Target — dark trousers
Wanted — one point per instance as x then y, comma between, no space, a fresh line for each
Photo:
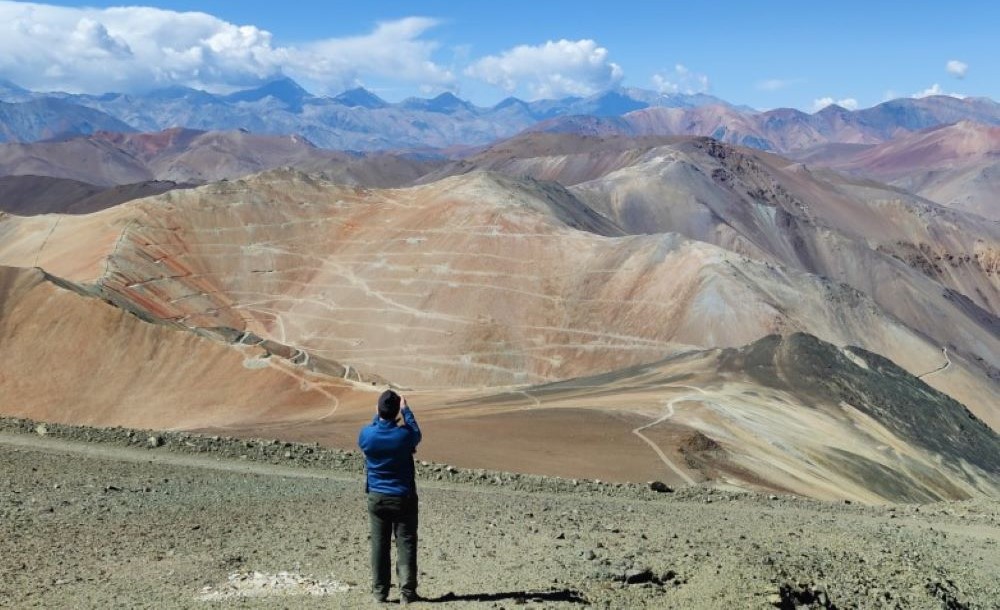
390,515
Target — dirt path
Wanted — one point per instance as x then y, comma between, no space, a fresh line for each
669,412
943,367
126,454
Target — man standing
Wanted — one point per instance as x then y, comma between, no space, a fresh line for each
392,494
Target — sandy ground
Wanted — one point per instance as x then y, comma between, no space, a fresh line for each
100,525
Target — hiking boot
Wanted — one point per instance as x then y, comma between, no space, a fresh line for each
380,598
411,598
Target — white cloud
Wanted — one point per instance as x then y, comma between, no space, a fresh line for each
91,39
550,70
772,84
394,49
936,89
681,80
957,68
848,102
47,47
775,84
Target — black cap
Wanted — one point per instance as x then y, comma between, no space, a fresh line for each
388,405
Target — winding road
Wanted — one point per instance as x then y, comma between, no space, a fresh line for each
668,413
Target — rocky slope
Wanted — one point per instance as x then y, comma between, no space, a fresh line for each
283,272
103,524
425,258
47,118
920,262
956,165
782,413
73,357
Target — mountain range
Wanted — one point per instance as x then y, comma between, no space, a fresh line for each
786,129
360,120
355,119
670,287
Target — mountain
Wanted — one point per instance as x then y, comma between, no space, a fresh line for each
611,103
446,103
167,94
921,263
359,120
360,97
653,268
677,100
185,155
956,165
921,113
285,91
658,306
88,160
48,119
206,381
785,408
9,92
615,103
525,309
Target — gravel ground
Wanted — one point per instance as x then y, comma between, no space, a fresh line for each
108,518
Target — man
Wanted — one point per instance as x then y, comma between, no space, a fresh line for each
392,494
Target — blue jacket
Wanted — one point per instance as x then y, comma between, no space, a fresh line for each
389,452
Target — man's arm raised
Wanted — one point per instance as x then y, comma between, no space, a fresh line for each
411,422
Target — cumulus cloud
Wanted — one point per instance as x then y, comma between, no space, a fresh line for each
957,68
680,80
46,47
550,70
936,89
394,48
848,102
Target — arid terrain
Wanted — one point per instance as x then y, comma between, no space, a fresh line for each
282,302
100,518
666,350
597,307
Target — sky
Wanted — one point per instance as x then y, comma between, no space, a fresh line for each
762,54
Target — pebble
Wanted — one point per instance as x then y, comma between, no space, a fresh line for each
636,576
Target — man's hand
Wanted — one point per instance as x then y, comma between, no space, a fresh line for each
404,405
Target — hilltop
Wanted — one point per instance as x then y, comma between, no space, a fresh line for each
123,523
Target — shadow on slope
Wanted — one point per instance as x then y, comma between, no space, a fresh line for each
900,401
517,597
34,195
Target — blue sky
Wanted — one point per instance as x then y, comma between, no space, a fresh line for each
763,54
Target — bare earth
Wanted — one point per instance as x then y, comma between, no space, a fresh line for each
95,525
